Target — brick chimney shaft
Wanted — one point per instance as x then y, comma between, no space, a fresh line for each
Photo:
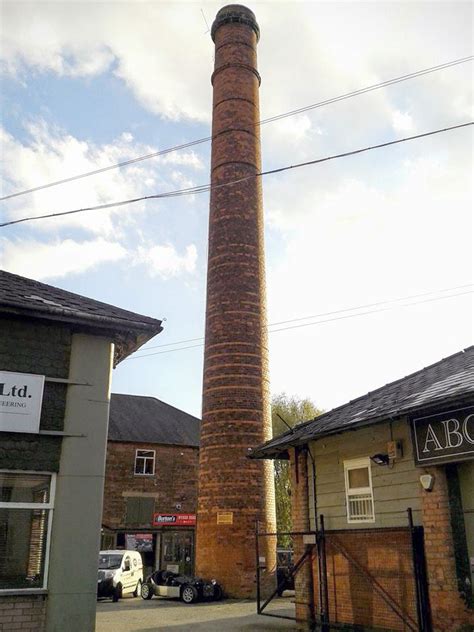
236,406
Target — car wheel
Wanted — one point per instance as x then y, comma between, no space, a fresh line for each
189,594
117,593
218,593
137,590
146,591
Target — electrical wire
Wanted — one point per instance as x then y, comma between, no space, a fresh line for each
271,119
211,187
319,322
337,311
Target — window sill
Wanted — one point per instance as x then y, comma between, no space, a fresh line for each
4,592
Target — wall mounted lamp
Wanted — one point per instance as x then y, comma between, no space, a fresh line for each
380,459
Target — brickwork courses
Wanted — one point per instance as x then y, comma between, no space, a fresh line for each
386,554
448,610
22,613
174,481
236,405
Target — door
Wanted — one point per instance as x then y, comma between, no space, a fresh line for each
128,575
178,552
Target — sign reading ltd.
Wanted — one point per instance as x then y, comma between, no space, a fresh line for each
445,437
174,520
21,396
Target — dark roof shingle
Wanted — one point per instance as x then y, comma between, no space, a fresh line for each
141,419
443,382
26,297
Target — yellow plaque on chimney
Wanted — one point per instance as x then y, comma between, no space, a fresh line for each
225,517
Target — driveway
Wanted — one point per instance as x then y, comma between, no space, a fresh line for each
136,615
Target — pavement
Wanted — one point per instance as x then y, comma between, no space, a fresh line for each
229,615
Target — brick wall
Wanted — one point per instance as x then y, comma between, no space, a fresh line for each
23,614
385,555
449,610
175,480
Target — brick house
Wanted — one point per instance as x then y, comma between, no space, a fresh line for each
356,472
57,351
150,493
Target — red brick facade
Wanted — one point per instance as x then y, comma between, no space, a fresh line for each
236,411
448,610
370,571
174,481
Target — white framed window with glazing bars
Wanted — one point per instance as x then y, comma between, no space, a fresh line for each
359,492
144,462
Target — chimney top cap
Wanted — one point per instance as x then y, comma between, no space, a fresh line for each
235,13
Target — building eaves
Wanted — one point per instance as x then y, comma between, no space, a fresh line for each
442,383
27,298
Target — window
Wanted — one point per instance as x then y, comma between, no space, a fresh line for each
359,496
144,462
26,504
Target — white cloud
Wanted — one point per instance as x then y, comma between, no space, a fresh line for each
161,51
402,121
165,262
54,260
51,154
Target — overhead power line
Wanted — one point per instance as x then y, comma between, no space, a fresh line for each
271,119
337,311
319,322
208,187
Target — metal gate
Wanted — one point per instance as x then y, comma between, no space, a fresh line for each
396,589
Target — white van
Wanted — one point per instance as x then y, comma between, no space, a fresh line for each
120,573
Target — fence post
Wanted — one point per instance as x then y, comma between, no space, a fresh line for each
324,577
257,560
414,556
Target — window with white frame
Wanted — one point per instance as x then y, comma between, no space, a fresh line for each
26,508
144,462
359,495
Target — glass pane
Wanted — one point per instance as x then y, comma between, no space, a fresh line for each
149,453
149,466
358,477
24,488
22,547
139,465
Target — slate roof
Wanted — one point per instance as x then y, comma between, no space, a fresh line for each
140,419
449,380
26,297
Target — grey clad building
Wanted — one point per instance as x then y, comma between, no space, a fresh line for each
57,351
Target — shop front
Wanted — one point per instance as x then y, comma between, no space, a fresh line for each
167,545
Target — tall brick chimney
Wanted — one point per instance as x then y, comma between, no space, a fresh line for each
234,491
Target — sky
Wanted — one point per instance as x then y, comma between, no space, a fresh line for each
88,84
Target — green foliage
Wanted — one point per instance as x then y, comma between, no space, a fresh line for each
293,411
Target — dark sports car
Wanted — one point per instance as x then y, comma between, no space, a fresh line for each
189,589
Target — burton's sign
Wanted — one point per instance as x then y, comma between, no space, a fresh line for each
445,437
174,520
21,396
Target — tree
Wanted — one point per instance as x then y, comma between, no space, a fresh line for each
293,410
